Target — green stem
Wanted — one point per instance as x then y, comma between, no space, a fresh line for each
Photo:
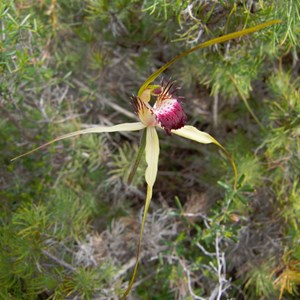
148,199
231,162
138,158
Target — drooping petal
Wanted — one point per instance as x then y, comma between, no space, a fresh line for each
98,129
192,133
152,154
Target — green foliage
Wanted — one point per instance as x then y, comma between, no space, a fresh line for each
122,164
289,11
260,282
68,219
165,9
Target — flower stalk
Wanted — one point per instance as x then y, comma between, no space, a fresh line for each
138,158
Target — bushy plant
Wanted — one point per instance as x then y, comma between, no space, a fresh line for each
69,220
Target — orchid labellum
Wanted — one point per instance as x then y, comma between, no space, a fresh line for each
166,114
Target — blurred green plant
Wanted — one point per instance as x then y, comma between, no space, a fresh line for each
72,64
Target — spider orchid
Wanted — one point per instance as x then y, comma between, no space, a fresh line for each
167,114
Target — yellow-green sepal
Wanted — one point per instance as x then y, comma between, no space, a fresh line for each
211,42
192,133
97,129
152,155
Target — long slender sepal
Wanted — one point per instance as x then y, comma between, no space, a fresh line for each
99,129
138,158
152,154
192,133
214,41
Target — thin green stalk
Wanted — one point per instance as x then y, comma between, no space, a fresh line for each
149,196
138,158
231,162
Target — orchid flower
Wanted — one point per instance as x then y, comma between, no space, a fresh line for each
166,114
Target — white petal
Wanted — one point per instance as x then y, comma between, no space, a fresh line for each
192,133
98,129
152,153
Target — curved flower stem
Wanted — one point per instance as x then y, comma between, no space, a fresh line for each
148,200
138,158
214,41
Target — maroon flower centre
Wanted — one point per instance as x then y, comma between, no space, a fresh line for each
167,110
170,115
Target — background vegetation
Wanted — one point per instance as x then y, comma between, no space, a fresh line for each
69,223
